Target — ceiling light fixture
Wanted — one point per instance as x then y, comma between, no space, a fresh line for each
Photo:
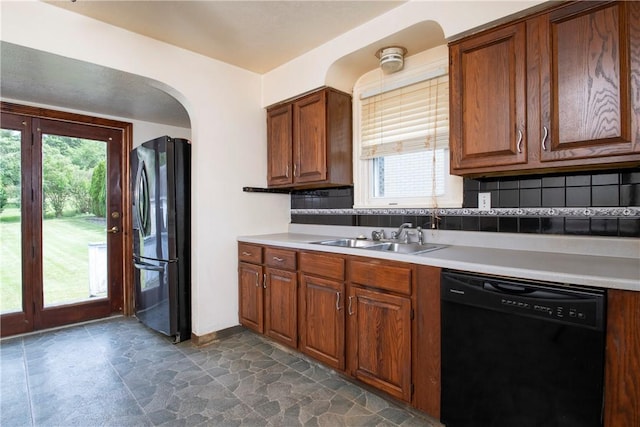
391,58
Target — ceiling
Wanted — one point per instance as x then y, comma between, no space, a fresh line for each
254,35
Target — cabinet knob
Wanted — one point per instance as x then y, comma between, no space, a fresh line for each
338,301
264,280
519,143
544,138
246,253
275,258
349,309
286,173
257,280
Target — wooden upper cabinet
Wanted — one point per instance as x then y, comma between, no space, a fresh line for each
555,91
586,66
309,141
310,148
279,148
488,91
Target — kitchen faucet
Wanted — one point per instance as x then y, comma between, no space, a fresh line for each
419,234
398,233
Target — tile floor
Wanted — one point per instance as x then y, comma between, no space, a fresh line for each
119,373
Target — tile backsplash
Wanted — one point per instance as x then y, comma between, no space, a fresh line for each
602,203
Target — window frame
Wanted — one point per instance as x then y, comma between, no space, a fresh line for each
420,67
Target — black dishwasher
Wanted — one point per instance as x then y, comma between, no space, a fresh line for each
521,354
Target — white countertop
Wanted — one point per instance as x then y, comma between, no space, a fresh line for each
612,272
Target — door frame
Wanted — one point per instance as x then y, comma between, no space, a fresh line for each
126,128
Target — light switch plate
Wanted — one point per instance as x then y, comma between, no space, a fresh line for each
484,201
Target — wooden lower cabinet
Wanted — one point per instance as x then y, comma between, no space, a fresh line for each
322,320
379,322
281,296
321,312
251,296
268,294
622,360
380,340
250,284
379,325
281,306
426,341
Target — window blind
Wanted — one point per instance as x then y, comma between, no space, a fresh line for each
404,120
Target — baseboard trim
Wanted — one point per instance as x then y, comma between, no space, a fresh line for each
215,335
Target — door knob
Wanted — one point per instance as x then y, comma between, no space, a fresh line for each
113,230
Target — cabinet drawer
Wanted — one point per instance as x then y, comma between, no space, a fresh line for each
280,258
250,253
383,276
322,265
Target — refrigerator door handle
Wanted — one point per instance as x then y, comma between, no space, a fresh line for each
146,266
141,200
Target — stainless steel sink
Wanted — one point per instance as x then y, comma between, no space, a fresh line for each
383,246
349,243
405,248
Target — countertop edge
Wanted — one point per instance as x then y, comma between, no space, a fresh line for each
515,264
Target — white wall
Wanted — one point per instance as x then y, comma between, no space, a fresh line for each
142,131
310,70
228,133
225,105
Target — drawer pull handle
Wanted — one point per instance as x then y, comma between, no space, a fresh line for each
275,258
338,301
349,309
257,280
286,173
264,280
519,144
544,138
246,253
295,169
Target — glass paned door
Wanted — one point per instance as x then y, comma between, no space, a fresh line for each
16,311
61,245
74,210
10,221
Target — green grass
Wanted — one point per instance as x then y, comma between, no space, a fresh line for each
10,214
66,259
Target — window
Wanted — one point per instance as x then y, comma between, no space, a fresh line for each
402,136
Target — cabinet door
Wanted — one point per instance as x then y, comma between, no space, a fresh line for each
281,308
279,146
622,386
309,141
587,59
488,100
251,296
322,319
426,344
380,340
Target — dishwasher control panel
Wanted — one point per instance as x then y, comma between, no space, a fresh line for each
559,311
578,306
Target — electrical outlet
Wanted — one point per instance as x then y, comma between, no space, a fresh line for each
484,201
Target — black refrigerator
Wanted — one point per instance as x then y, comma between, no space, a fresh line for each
161,182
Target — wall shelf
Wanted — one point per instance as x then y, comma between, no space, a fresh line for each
266,190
